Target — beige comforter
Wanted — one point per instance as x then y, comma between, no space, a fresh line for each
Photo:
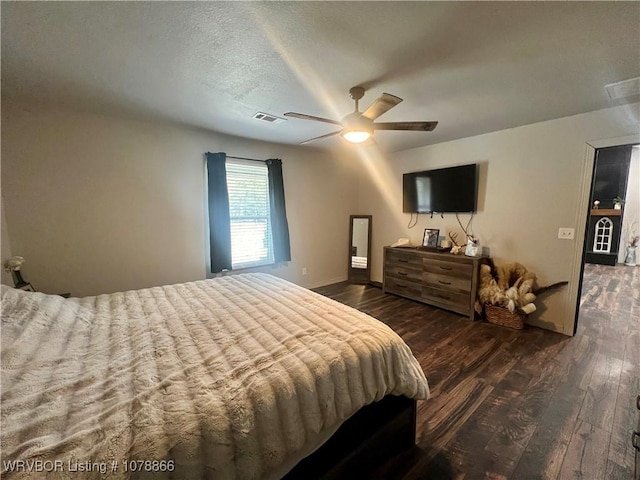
235,377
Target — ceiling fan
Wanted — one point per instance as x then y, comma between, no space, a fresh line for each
359,126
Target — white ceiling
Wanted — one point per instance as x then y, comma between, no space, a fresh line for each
475,67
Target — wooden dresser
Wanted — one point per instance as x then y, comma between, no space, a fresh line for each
439,279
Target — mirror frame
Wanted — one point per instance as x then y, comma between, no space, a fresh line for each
359,275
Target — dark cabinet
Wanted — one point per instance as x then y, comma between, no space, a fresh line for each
610,176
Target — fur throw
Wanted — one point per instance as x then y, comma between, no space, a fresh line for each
510,286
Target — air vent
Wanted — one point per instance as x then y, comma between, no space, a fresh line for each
624,89
265,117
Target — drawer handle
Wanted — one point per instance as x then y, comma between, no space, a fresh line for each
442,296
403,261
638,402
401,286
445,268
635,437
443,282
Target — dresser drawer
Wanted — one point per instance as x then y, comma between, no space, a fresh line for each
447,282
403,257
404,271
450,269
403,287
458,302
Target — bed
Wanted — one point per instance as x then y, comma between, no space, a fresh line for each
238,377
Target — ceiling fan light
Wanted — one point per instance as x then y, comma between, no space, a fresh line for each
356,136
356,128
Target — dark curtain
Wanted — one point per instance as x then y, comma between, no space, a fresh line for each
279,224
219,223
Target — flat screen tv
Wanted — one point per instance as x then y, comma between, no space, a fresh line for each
443,190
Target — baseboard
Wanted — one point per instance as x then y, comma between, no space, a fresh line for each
339,280
324,283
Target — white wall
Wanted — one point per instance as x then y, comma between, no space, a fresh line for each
631,219
98,204
5,247
530,184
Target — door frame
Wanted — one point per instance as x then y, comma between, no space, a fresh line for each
577,262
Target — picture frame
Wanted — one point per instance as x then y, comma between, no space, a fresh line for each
430,238
27,287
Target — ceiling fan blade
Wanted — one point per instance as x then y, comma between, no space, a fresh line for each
415,126
381,105
320,137
311,117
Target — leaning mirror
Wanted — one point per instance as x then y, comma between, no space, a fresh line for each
359,248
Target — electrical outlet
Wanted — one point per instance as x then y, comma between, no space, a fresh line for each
565,233
304,270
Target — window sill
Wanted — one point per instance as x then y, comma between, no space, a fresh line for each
253,267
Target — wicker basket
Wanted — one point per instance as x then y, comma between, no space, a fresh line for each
503,317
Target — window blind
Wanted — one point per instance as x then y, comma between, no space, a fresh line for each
251,239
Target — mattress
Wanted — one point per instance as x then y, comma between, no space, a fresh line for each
237,377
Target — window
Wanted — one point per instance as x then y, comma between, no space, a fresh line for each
251,238
602,240
246,201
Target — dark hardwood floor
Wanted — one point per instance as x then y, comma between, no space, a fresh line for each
519,405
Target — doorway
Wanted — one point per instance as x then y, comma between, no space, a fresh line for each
613,207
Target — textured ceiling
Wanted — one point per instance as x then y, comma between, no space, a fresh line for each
475,67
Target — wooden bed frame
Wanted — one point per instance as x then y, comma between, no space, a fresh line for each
371,436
